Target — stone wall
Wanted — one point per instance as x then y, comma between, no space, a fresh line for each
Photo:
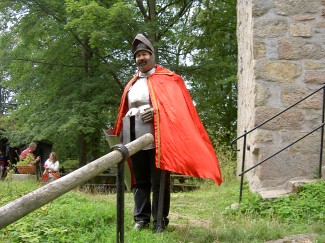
281,46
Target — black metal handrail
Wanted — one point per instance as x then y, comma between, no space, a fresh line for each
244,136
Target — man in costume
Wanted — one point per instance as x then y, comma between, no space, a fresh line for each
156,101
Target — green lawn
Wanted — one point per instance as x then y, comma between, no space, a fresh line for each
203,215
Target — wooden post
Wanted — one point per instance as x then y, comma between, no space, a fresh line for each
17,209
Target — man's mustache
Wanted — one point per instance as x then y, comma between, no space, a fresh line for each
142,63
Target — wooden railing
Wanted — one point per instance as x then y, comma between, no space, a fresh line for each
26,204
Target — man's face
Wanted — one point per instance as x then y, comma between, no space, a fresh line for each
142,59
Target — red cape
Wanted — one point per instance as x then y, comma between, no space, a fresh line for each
182,143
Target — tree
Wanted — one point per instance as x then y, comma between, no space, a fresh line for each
66,62
212,76
64,83
198,40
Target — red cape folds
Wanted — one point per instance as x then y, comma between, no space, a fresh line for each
182,143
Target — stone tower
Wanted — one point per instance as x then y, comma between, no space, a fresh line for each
281,46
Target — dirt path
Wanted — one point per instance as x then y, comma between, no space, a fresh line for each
296,239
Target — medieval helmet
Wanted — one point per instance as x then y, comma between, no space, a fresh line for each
141,43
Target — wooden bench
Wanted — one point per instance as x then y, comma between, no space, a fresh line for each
105,182
180,182
98,188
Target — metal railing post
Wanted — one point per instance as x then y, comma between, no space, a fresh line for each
120,188
263,123
242,167
321,138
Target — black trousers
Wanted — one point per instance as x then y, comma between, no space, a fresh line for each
147,178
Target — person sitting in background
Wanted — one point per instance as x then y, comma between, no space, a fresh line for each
15,159
4,163
30,150
51,166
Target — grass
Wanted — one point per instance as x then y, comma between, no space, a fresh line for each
203,215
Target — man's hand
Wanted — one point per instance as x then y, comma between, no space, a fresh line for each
147,115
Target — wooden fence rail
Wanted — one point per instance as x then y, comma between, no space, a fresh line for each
22,206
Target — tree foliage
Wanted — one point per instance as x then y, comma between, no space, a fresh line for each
213,73
66,62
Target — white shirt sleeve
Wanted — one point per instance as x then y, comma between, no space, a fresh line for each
55,166
46,164
52,167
